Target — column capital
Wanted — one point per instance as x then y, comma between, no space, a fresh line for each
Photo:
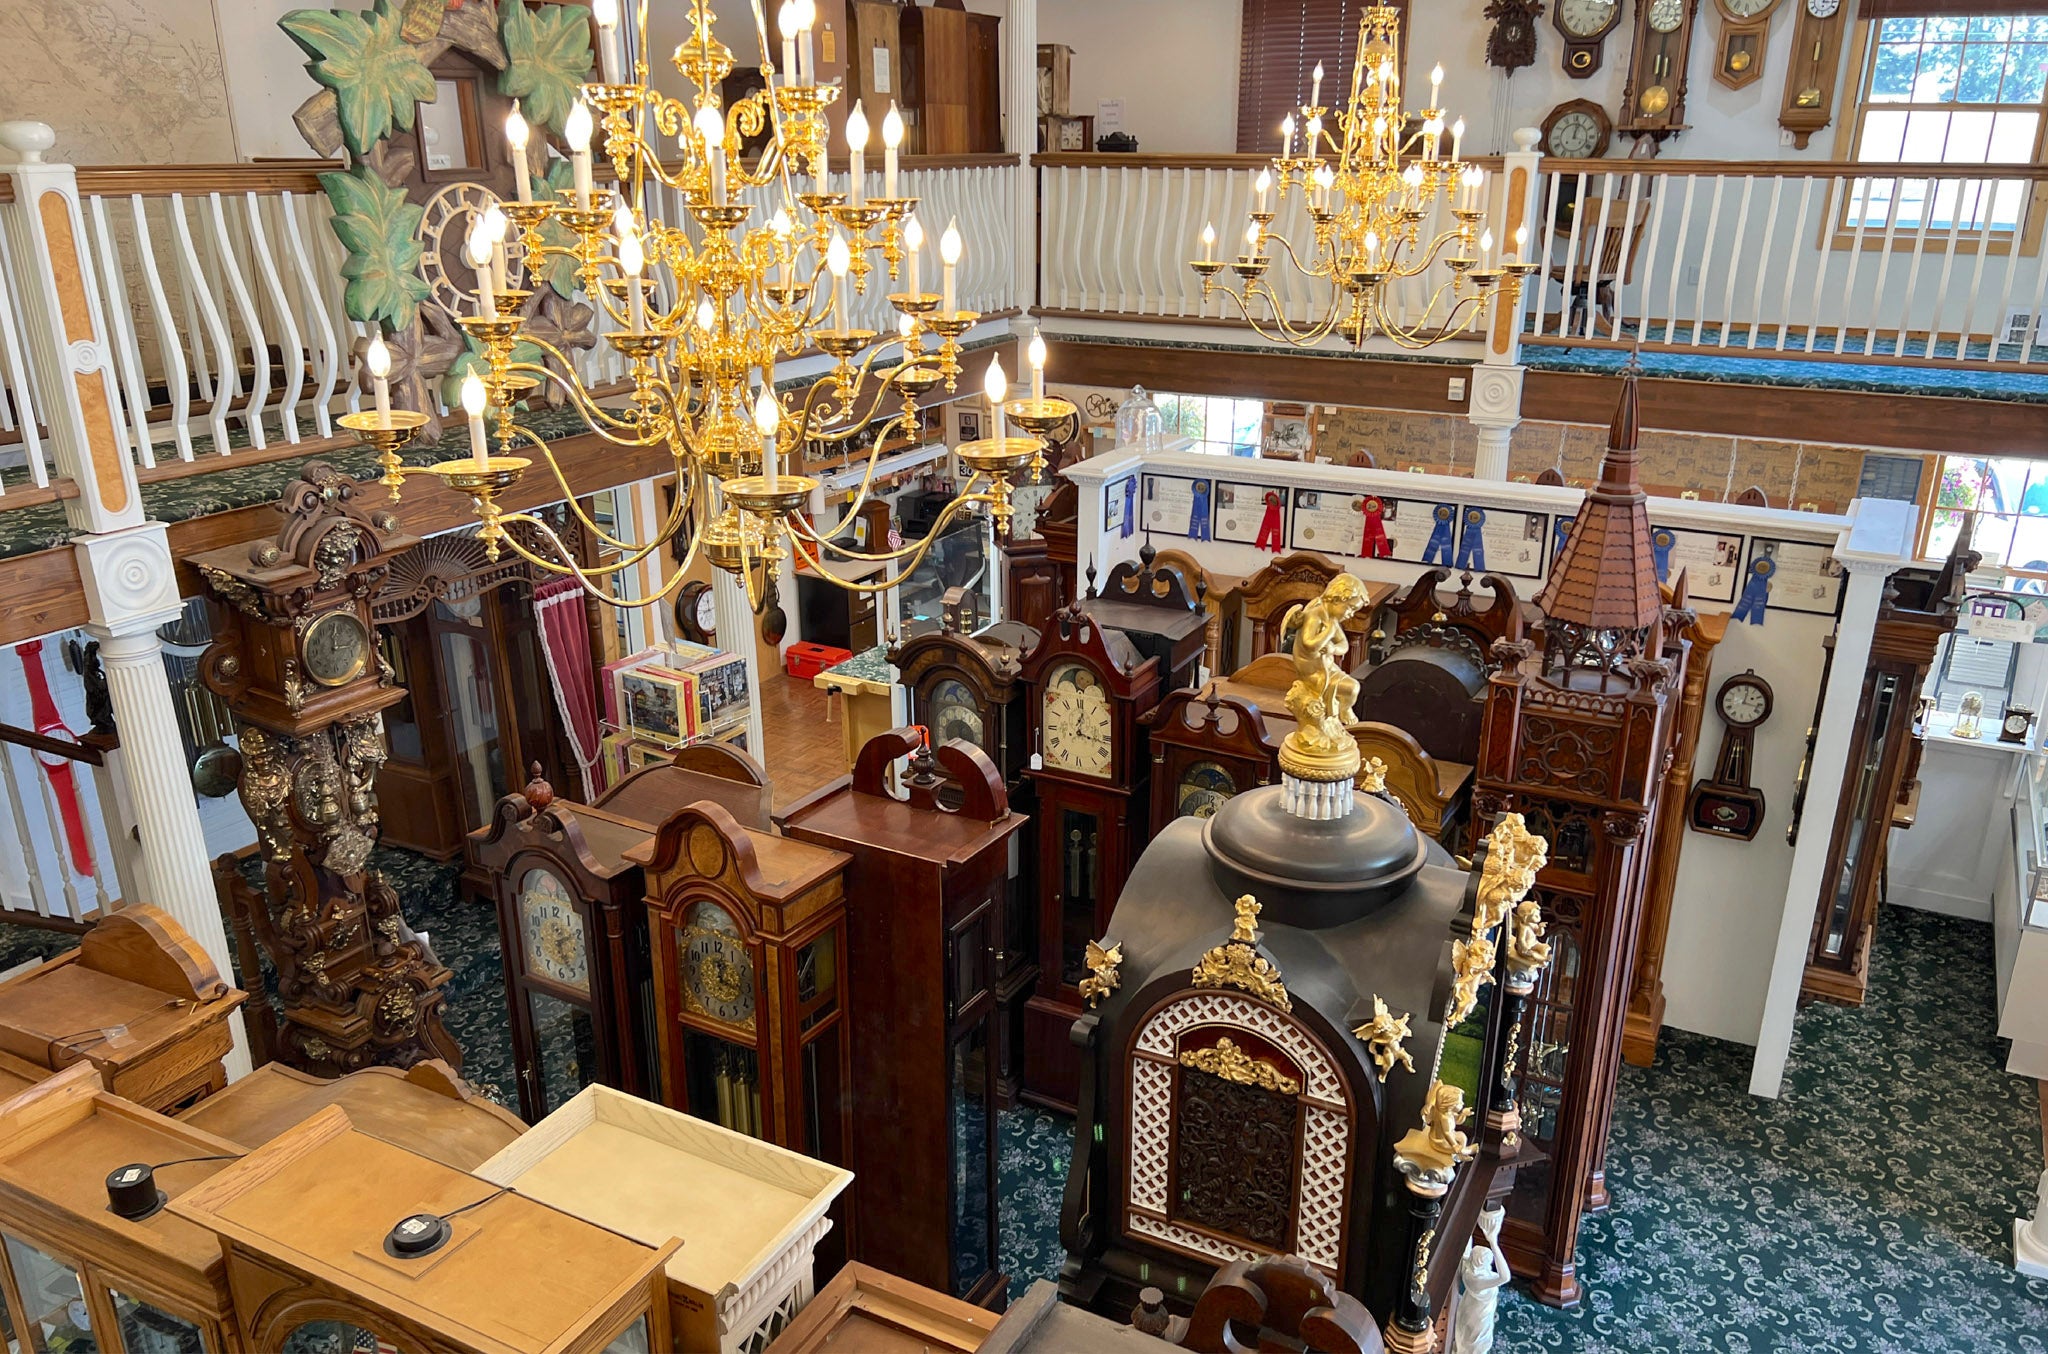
1496,396
131,585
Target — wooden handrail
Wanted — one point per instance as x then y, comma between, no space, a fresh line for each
1795,169
55,747
285,176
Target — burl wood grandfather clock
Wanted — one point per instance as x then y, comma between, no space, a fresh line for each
1089,688
1575,739
295,657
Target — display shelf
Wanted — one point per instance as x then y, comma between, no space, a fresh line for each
2019,920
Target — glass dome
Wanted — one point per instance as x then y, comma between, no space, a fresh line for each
1139,424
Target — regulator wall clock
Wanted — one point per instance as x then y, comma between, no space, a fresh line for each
1745,28
1653,101
1585,25
1814,69
1725,804
1578,129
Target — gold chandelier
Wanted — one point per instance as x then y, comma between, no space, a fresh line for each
749,293
1368,184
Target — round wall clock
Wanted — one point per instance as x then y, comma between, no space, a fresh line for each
1666,15
444,231
697,612
1578,129
1823,9
336,648
1746,11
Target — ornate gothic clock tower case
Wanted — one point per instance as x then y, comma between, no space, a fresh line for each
295,657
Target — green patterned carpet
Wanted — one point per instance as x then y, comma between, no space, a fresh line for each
1870,1209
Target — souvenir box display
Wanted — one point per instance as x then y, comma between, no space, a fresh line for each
138,999
658,704
749,1214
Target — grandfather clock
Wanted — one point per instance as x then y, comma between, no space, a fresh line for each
971,688
1206,749
1919,607
295,657
1575,740
1089,688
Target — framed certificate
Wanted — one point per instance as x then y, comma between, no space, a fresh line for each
1710,560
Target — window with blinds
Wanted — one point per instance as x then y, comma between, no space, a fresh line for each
1283,40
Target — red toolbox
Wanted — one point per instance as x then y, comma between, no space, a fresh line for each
804,660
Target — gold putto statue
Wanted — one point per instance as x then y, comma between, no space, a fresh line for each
1438,1146
1321,747
1237,962
1102,961
1384,1034
1513,856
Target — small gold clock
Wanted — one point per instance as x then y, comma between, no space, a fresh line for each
336,648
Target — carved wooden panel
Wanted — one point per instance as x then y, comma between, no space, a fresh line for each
1234,1166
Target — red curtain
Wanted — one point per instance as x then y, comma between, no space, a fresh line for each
565,640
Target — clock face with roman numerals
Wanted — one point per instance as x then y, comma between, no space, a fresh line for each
1080,734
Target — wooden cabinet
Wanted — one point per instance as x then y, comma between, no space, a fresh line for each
138,1000
748,935
937,80
833,616
874,59
873,1312
426,1108
1088,688
1157,612
328,1235
984,84
928,899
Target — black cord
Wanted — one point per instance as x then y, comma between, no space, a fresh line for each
500,1193
187,1161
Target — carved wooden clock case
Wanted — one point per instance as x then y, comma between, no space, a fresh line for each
295,657
1653,100
1088,691
1725,804
1206,749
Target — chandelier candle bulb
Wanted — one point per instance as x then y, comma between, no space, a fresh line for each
892,139
949,254
1315,88
1287,137
631,261
1036,352
1436,85
477,250
838,258
711,130
807,24
1485,249
913,242
996,385
473,405
1251,240
606,12
1209,242
496,230
377,358
785,20
1457,137
516,135
1314,149
767,419
1521,242
1263,185
576,131
857,154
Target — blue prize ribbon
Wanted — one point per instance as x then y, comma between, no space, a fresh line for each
1438,551
1130,505
1472,544
1756,594
1198,517
1560,532
1661,541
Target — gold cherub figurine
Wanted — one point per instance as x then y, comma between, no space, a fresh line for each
1383,1035
1321,747
1438,1145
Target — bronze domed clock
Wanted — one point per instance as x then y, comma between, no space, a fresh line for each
295,657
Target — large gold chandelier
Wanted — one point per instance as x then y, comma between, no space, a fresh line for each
748,292
1368,184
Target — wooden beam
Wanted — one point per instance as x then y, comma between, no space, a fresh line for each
1277,375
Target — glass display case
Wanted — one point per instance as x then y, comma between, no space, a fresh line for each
959,558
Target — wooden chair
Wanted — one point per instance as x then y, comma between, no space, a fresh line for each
1264,599
1432,790
1598,262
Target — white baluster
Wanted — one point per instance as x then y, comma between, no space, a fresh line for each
128,371
177,377
2029,340
1546,238
1678,261
2012,269
328,361
19,379
291,350
1839,191
1736,258
192,279
21,850
1799,235
230,266
1660,198
1707,243
1862,211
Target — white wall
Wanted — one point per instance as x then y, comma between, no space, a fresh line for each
1172,62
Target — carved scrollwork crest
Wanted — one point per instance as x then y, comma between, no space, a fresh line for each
1232,1063
1237,962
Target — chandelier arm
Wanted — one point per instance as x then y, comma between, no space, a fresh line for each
683,497
922,548
581,574
585,402
1280,329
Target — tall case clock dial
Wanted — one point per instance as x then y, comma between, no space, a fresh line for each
1814,70
1653,102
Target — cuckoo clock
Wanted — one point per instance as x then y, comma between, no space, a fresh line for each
1157,613
1919,607
296,659
748,934
1206,749
1511,43
1576,739
1087,689
928,888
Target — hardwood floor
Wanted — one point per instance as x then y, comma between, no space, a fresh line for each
805,731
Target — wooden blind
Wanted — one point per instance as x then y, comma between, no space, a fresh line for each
1282,42
1946,9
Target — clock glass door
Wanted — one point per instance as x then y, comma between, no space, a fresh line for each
820,1025
1080,845
1548,1023
971,1096
472,706
1866,823
559,1032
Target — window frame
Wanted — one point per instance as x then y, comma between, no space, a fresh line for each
1840,233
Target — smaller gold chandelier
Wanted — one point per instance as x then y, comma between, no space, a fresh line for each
1368,186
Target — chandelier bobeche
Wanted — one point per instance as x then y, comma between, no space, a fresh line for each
1368,184
749,293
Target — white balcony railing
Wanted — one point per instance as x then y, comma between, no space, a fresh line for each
1910,263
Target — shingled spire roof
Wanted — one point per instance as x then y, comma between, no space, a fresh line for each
1605,578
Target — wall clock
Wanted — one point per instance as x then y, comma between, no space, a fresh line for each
445,224
1653,101
1815,67
1585,25
1578,129
1512,43
1745,27
1725,804
697,612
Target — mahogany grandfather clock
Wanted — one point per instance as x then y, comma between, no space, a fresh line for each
1575,739
295,657
1089,690
1206,749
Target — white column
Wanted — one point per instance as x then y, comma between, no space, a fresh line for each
1879,541
1495,399
1020,135
124,559
737,634
130,591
